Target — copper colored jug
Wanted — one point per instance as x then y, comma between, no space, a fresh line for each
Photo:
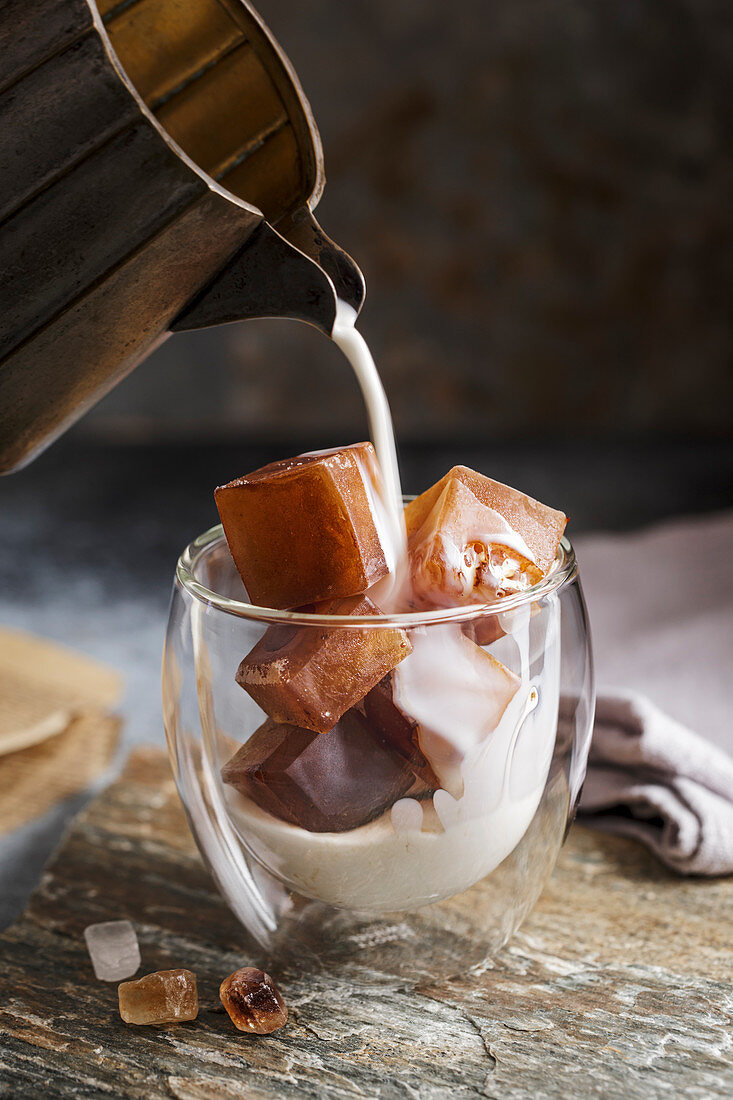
158,168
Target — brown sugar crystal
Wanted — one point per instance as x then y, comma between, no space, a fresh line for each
253,1001
323,782
471,539
307,528
165,997
308,676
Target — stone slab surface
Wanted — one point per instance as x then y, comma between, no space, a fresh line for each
619,985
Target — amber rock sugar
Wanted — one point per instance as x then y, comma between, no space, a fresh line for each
307,528
253,1001
165,997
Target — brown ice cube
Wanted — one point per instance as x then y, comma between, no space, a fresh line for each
253,1001
456,692
541,527
471,539
488,628
323,782
484,629
165,997
307,528
399,729
455,557
307,676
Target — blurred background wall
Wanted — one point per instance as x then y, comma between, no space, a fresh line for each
540,195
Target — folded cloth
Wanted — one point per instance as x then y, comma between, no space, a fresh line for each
661,611
651,778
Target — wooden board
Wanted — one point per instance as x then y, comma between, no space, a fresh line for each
619,986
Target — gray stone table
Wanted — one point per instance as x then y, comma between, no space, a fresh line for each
619,986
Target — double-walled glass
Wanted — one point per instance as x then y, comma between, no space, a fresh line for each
428,882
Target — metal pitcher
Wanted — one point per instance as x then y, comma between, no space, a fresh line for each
158,168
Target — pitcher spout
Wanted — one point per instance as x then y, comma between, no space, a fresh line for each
293,271
304,232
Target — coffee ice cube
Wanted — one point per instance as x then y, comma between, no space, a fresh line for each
485,629
323,782
307,676
113,949
165,997
308,528
253,1001
398,728
455,557
457,694
471,539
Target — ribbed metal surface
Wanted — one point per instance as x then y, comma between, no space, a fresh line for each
32,31
196,63
107,232
50,128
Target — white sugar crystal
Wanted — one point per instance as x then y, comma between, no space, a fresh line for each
113,949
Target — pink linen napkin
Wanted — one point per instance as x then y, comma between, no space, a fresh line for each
661,764
651,778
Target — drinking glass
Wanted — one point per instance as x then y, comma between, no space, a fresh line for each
423,884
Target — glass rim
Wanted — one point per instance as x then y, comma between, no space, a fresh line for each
562,572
